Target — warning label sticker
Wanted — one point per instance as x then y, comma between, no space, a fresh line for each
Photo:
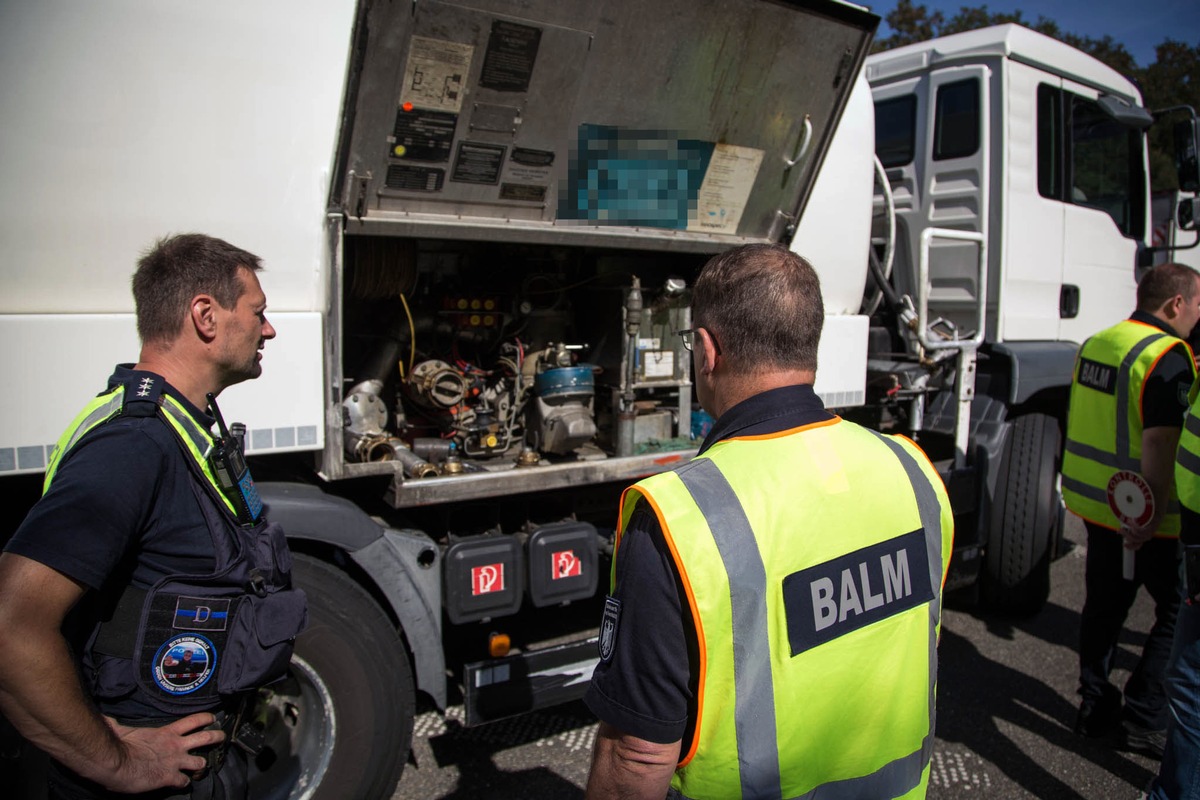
436,74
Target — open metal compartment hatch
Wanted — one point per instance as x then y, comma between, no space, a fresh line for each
611,123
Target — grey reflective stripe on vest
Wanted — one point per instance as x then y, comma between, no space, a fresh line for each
1091,453
1085,490
1188,460
1095,493
200,437
1192,424
101,413
1123,459
754,712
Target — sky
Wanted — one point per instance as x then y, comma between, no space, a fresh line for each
1138,24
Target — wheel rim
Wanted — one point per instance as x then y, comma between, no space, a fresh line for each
300,732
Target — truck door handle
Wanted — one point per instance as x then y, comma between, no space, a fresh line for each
802,145
1068,301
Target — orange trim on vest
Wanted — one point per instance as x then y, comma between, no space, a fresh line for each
1097,524
696,623
780,434
1141,393
924,455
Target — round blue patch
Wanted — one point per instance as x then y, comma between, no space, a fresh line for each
184,663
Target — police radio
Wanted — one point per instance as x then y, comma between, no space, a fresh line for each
233,476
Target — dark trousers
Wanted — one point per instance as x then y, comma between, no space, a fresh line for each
1109,598
228,784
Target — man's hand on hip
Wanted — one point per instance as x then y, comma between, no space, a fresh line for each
158,757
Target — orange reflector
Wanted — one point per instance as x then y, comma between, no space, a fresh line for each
498,645
407,106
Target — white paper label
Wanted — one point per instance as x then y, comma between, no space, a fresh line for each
726,188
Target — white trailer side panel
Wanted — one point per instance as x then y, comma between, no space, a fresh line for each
128,144
59,361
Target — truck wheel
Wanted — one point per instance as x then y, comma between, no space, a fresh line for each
340,724
1015,577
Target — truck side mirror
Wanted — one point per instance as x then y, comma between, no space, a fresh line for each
1187,144
1187,215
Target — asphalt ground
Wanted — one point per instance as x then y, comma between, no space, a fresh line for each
1006,705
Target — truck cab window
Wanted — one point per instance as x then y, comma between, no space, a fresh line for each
956,125
1090,159
1106,166
896,130
1049,142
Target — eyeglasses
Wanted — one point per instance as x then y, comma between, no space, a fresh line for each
689,334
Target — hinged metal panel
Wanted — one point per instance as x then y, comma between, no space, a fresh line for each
609,122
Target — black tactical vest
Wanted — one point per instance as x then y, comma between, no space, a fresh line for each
191,642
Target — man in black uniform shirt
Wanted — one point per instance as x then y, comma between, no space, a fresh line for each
130,505
715,618
1141,364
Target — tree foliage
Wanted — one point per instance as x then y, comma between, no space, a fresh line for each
1173,78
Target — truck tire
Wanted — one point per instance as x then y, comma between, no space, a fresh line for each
1015,577
340,725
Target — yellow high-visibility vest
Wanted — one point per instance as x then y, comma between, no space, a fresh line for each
1104,419
109,405
1187,457
813,563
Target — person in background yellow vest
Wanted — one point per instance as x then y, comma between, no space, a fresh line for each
1128,400
1179,774
772,625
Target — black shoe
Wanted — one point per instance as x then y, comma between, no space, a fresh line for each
1146,741
1098,719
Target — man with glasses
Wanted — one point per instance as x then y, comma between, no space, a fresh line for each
772,624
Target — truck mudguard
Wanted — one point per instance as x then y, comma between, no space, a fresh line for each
1036,366
404,566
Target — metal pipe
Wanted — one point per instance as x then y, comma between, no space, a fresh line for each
627,413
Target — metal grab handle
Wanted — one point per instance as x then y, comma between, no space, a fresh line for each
927,237
802,148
